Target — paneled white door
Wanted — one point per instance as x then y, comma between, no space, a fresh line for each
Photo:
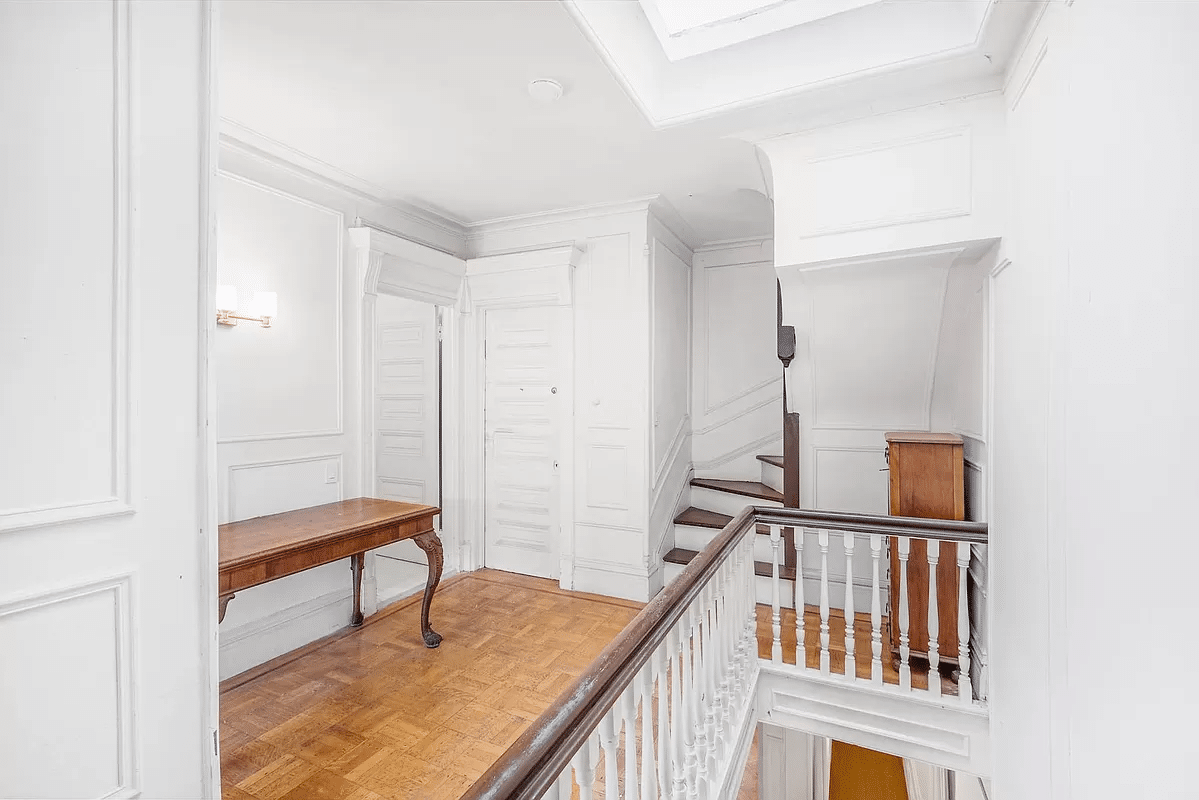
107,672
406,433
526,411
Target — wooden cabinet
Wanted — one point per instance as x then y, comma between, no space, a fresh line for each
927,480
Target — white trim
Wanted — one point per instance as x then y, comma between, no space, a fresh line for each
230,505
745,449
250,142
529,278
125,646
118,499
672,452
478,230
947,212
774,398
208,482
533,278
909,724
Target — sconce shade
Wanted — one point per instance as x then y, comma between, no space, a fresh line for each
226,298
266,304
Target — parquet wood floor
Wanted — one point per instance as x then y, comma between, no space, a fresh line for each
371,713
374,714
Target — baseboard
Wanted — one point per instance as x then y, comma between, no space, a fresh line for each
265,638
612,579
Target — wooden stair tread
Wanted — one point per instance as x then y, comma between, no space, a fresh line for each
744,488
683,556
774,461
702,518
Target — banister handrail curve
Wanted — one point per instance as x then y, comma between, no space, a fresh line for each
532,764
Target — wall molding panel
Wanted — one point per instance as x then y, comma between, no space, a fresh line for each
234,469
338,428
118,498
117,590
945,152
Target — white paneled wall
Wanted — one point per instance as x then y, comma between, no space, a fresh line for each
107,596
911,179
606,549
289,396
736,405
670,405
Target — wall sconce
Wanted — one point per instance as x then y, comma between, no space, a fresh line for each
264,308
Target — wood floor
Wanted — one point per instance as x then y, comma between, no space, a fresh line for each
836,624
371,713
374,714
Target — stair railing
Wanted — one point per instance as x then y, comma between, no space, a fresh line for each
666,710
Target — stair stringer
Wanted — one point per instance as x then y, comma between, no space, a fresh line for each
886,719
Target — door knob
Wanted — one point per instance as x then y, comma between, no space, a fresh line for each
553,390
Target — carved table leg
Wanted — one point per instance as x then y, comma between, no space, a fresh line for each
429,542
356,562
225,598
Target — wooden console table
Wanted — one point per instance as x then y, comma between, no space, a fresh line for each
262,549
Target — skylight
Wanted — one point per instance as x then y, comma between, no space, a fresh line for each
691,27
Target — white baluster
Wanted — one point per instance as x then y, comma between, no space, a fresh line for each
663,746
744,605
776,620
584,771
751,616
851,665
690,695
723,704
607,737
707,736
824,638
905,669
965,689
736,598
678,726
565,785
801,655
876,613
628,707
934,623
645,680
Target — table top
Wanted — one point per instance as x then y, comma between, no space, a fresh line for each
292,530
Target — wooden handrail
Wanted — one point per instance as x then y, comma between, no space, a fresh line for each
528,768
916,527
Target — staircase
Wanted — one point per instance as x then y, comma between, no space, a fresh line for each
715,502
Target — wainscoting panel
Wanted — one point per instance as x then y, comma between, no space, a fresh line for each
65,309
68,700
274,486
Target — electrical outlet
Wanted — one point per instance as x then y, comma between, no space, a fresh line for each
331,472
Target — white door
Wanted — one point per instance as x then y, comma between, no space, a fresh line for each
106,672
526,408
406,433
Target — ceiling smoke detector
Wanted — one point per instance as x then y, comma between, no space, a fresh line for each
545,90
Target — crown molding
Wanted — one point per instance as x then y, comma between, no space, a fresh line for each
478,230
239,138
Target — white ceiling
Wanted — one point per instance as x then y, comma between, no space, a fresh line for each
684,66
427,102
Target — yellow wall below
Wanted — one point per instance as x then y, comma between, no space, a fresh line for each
860,774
